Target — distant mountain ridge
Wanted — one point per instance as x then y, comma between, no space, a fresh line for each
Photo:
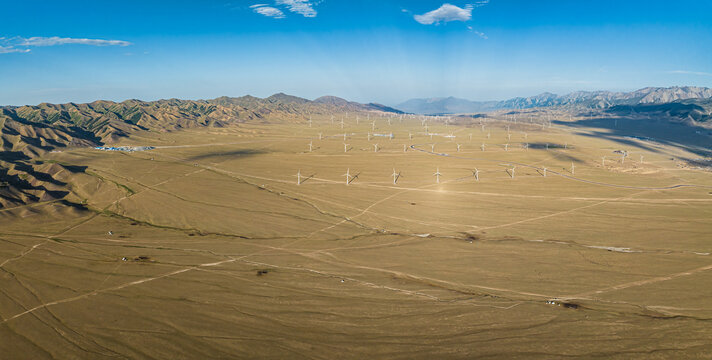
585,99
697,111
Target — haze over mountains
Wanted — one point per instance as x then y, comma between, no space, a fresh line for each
583,99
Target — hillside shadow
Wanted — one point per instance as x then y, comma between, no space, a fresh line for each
644,133
232,153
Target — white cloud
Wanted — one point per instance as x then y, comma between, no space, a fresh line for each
686,72
445,13
23,45
480,34
302,7
10,49
269,11
56,40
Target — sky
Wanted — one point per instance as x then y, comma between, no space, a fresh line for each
367,50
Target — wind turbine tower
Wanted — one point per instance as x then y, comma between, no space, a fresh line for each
437,175
348,177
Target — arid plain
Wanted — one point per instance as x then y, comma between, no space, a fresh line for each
540,240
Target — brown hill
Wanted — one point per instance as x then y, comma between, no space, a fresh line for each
27,132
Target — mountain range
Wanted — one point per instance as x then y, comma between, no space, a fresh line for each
578,99
28,132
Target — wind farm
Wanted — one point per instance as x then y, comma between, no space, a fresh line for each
176,218
301,179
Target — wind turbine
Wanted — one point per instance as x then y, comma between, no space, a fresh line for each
603,161
506,147
410,136
375,147
432,147
405,148
488,135
348,176
310,146
310,121
573,168
641,159
509,137
476,174
483,146
437,175
396,176
299,177
319,136
373,126
458,147
544,172
346,147
512,172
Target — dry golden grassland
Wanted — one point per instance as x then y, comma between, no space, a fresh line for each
206,247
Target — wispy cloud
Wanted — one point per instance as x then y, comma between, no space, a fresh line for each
24,45
445,13
478,33
10,49
686,72
302,7
268,11
56,40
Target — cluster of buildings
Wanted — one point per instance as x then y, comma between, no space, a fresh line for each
124,148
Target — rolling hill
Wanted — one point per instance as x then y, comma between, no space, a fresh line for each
28,132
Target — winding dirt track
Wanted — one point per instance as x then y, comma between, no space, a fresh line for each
367,209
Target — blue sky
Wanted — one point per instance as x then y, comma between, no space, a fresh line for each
382,51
